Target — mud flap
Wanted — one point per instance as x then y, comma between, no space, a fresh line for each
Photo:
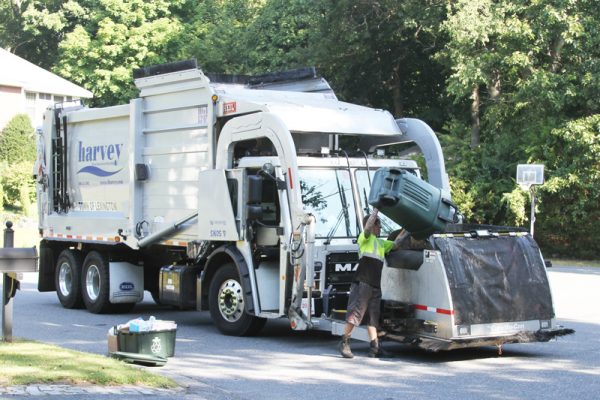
47,266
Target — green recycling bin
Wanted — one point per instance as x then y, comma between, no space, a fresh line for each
154,343
411,202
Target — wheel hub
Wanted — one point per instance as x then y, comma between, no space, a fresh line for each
65,279
231,301
92,282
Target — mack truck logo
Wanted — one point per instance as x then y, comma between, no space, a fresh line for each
104,154
349,267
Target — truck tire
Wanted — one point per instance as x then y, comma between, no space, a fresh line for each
95,283
95,286
227,304
67,278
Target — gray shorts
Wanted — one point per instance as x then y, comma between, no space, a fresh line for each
363,297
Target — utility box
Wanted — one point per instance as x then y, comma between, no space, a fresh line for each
18,260
178,286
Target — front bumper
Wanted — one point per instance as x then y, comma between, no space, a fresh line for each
433,343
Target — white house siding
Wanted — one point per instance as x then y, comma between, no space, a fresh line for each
27,88
11,103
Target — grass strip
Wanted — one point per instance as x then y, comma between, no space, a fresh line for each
25,362
575,263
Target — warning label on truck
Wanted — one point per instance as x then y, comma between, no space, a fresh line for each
229,108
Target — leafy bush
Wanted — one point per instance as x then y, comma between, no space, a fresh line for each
17,141
516,202
567,212
17,153
17,185
568,223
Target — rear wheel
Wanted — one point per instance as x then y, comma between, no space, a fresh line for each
228,306
95,283
67,278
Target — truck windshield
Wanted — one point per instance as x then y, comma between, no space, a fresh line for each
362,180
327,194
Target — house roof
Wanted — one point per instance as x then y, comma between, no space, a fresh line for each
16,71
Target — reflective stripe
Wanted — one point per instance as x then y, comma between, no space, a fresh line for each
372,248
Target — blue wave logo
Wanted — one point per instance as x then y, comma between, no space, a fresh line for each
90,169
126,286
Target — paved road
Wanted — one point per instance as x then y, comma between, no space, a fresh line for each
282,364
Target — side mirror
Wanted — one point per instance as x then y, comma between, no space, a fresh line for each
269,170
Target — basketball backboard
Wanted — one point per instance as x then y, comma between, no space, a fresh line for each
530,174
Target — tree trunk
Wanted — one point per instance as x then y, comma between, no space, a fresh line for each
494,87
397,93
555,53
475,128
15,6
397,96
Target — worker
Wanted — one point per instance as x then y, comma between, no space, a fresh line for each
365,291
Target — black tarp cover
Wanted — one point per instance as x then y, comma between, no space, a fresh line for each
495,279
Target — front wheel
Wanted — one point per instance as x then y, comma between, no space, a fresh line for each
228,306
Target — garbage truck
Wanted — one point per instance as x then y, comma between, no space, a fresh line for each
243,196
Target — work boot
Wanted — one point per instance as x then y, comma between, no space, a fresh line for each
375,351
344,347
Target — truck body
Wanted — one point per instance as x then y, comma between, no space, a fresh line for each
238,198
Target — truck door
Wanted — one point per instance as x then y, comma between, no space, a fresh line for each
216,207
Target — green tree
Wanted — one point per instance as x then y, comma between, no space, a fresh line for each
17,141
568,223
17,186
33,29
502,81
215,34
279,37
117,38
380,54
250,37
524,73
17,153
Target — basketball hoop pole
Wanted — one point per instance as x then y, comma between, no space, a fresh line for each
532,191
528,177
